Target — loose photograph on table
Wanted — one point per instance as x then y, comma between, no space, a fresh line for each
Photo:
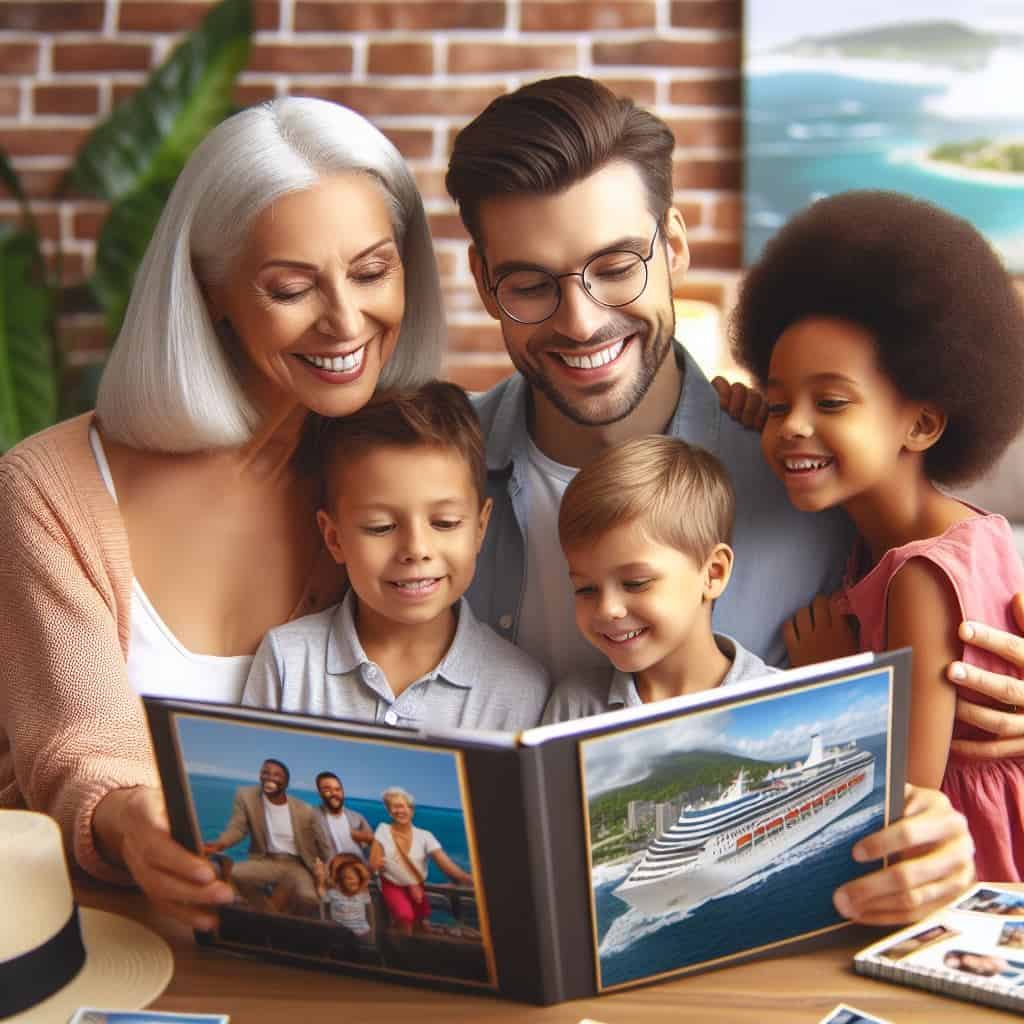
727,831
345,850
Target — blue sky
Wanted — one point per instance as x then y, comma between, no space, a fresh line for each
777,729
235,750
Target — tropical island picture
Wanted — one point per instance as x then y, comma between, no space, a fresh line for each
920,97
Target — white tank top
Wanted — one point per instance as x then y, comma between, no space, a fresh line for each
158,664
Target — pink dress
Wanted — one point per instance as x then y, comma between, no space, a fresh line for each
980,560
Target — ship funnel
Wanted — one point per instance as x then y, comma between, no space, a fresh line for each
817,753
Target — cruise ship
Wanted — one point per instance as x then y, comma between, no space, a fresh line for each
714,846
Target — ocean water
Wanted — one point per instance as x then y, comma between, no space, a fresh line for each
791,897
814,132
214,797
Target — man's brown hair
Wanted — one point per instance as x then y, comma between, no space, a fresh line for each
548,135
436,415
680,495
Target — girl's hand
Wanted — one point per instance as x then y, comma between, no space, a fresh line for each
1006,722
818,633
131,828
744,404
936,864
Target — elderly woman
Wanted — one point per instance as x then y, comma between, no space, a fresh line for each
147,548
399,852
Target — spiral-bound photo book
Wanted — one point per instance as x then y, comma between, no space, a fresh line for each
973,949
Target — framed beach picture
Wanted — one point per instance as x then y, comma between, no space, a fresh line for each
916,96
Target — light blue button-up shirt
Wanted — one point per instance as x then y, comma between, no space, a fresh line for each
784,557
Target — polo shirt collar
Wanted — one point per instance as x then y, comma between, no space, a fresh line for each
622,692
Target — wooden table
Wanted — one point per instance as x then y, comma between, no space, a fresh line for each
798,989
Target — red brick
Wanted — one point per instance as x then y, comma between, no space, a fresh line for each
706,92
66,16
122,90
400,59
47,221
83,100
727,214
674,53
182,15
248,94
703,291
693,212
384,15
42,141
721,174
82,334
430,181
10,100
86,222
484,337
439,101
19,58
446,225
722,132
714,254
38,184
477,377
412,143
447,264
555,16
476,58
639,90
102,56
283,58
71,266
719,14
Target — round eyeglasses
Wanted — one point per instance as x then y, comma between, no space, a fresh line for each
614,278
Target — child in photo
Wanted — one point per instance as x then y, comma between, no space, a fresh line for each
343,887
645,529
889,341
404,512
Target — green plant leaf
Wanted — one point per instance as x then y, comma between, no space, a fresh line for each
28,371
120,247
150,136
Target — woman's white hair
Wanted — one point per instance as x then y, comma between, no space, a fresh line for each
169,384
391,792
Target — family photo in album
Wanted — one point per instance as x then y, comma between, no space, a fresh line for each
728,830
340,850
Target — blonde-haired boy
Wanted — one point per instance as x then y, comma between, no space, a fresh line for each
645,529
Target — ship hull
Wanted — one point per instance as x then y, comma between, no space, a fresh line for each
700,881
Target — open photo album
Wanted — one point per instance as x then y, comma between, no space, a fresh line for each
551,864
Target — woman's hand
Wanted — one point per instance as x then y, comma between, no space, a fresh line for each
1005,723
818,633
936,864
744,404
131,828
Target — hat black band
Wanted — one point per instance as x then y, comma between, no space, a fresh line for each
34,976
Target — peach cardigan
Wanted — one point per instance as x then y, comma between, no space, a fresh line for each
72,728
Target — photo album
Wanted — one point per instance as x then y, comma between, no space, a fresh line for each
973,949
552,864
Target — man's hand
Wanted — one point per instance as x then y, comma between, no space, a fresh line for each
131,825
936,864
1005,722
818,633
744,404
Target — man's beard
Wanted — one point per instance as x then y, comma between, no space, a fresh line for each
656,344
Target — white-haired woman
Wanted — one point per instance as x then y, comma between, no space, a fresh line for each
147,548
399,852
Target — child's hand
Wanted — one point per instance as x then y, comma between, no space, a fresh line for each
818,633
744,404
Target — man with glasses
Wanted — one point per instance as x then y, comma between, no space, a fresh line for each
566,192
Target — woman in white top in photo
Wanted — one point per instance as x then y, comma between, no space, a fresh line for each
148,548
399,852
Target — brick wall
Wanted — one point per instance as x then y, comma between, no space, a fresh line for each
419,69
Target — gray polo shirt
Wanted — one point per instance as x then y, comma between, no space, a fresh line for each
592,693
317,666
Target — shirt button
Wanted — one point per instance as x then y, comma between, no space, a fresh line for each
390,717
505,622
371,672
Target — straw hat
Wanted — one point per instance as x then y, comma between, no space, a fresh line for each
48,965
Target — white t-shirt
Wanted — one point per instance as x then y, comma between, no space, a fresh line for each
280,837
341,831
395,870
547,622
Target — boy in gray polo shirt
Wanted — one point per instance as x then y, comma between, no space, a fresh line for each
404,513
645,529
